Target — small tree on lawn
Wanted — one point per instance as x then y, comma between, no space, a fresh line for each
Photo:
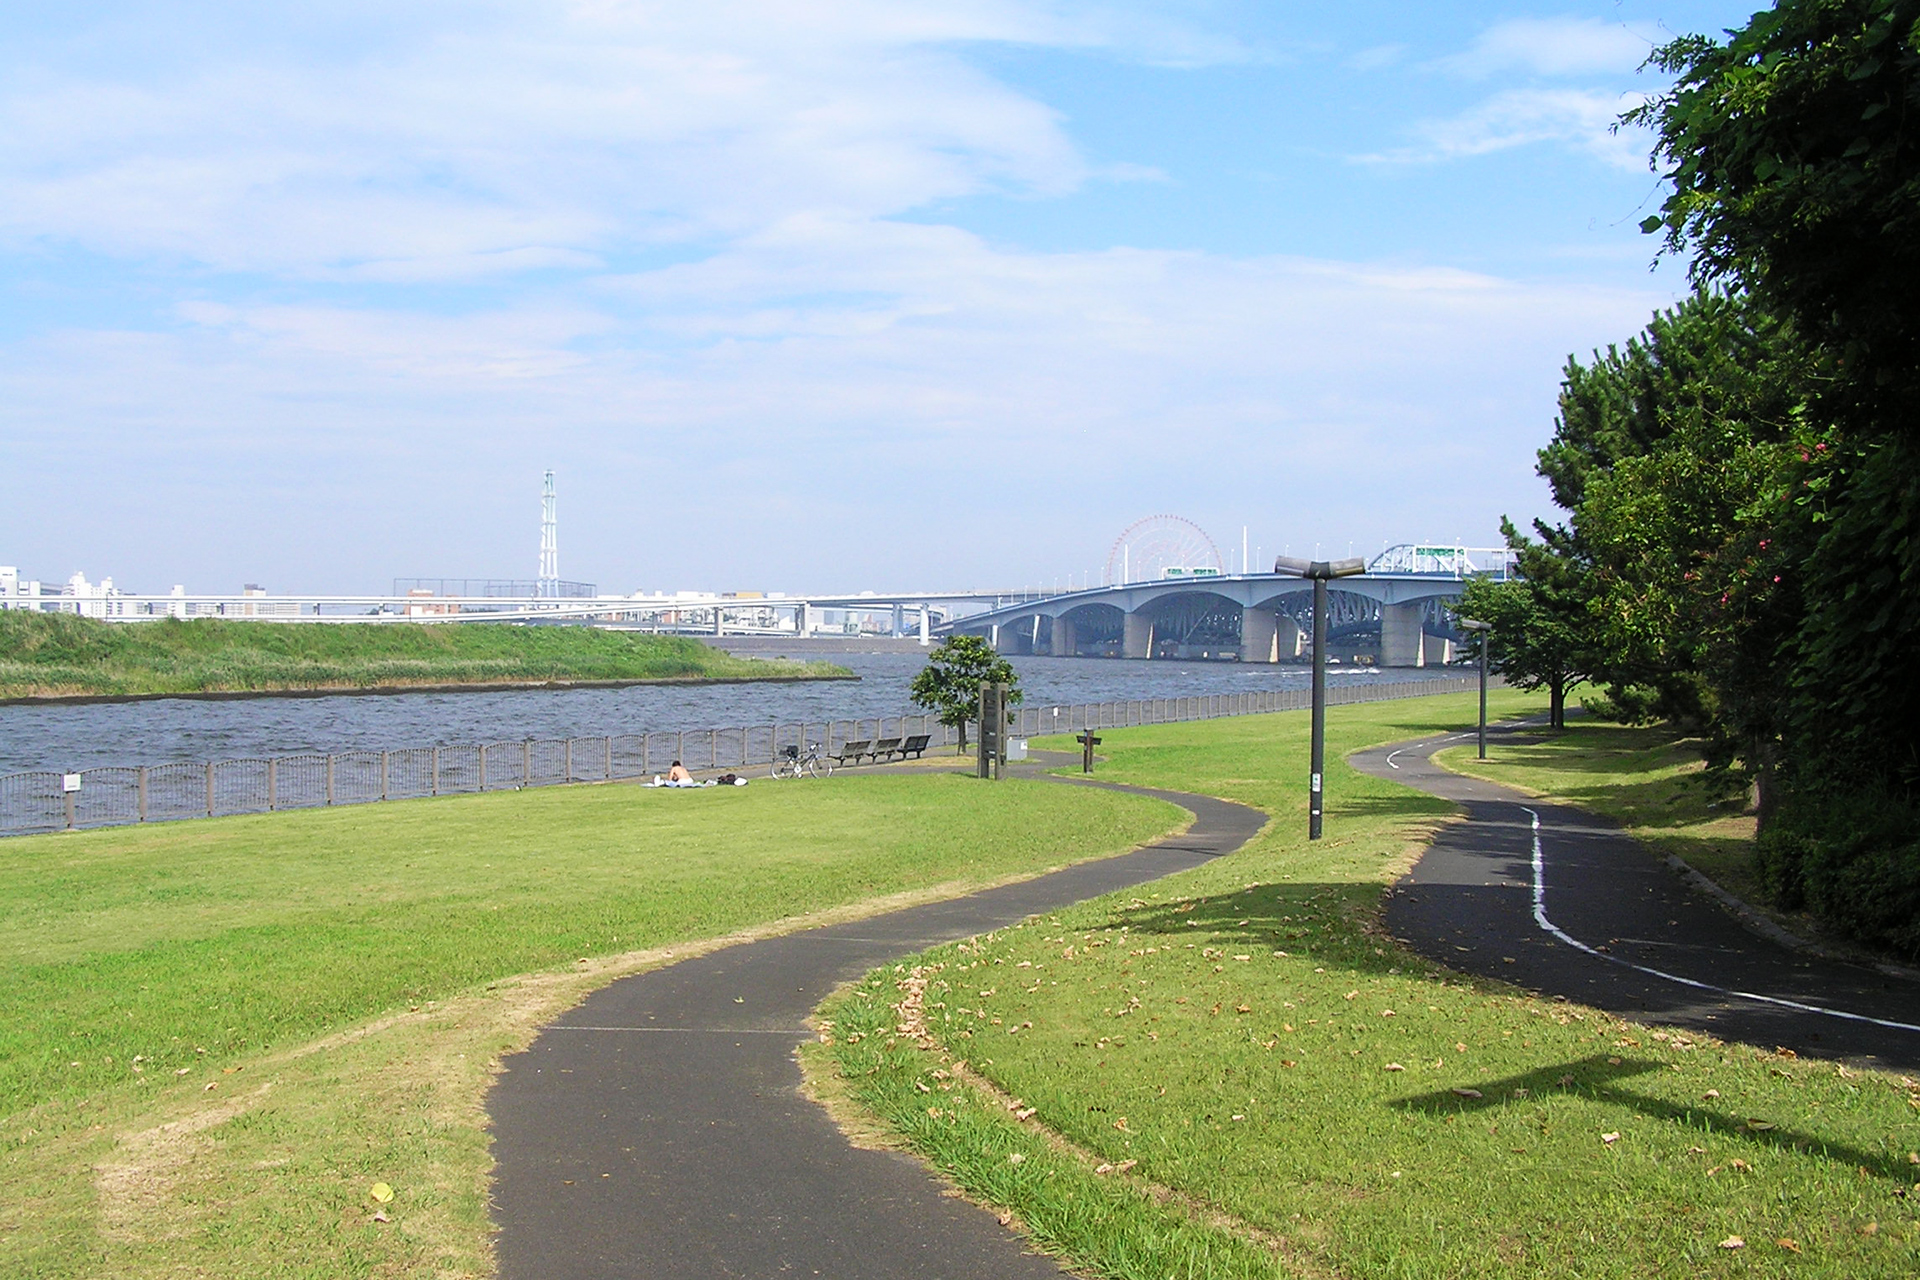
949,685
1533,644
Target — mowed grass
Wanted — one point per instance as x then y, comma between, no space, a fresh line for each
1233,1073
216,1035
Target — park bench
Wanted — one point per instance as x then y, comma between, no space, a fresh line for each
884,747
850,752
914,746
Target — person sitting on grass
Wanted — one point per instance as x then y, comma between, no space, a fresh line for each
678,774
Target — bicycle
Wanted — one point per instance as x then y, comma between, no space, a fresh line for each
790,763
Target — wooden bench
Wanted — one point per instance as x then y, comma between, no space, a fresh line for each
913,747
884,747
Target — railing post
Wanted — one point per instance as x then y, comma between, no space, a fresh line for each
330,760
209,788
436,771
143,793
526,762
569,757
273,778
608,742
68,795
483,766
383,775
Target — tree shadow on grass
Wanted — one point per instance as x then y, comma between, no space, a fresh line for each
1599,1077
1398,804
1328,923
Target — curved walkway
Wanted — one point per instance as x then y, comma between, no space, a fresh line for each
1561,902
657,1130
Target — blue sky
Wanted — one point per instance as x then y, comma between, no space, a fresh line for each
796,296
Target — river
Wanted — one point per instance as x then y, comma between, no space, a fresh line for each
164,730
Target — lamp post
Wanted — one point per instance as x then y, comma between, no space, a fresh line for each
1319,572
1483,630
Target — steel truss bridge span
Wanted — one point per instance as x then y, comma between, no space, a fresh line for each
1388,619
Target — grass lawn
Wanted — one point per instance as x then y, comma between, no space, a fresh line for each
58,654
1234,1073
216,1036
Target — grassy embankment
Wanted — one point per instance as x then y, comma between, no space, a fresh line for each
216,1036
43,654
1233,1073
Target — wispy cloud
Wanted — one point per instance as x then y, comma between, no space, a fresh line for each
1586,120
1554,47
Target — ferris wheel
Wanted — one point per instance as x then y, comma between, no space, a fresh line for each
1162,547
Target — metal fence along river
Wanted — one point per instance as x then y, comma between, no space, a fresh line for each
42,800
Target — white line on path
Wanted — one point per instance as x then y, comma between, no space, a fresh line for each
1540,918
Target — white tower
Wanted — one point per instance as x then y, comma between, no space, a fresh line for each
549,543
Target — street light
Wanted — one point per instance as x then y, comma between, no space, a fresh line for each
1484,630
1319,572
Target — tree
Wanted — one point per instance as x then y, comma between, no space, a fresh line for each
1796,179
949,684
1533,644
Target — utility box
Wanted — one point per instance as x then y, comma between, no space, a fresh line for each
1016,748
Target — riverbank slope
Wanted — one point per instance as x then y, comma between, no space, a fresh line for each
46,655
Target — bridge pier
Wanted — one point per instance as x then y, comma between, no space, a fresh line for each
925,625
1136,639
1435,651
1268,637
1402,635
1066,643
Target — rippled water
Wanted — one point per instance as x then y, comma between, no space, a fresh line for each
79,737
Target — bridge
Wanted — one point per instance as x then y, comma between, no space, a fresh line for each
1396,614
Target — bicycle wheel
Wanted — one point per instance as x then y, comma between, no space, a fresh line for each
820,766
783,768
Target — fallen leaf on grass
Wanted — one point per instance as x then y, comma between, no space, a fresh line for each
1791,1246
1710,1094
380,1215
1609,1138
1016,1157
1468,1093
1760,1126
1733,1242
382,1192
1394,1066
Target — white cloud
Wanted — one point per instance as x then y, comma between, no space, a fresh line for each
528,135
1564,46
831,375
1587,120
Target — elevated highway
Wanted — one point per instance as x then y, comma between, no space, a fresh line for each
1397,615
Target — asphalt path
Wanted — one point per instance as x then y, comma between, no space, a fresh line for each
1561,902
657,1130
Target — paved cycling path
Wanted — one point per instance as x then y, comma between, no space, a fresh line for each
657,1130
1559,901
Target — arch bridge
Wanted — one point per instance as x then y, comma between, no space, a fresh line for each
1397,614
